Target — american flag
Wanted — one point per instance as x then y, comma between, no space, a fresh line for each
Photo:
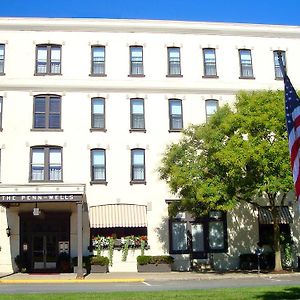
292,112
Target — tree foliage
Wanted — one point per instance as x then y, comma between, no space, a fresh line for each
240,154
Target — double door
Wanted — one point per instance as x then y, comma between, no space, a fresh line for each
44,251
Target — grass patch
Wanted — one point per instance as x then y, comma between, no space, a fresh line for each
263,293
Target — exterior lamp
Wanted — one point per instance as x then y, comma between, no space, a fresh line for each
8,231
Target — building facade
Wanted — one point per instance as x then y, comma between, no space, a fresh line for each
87,108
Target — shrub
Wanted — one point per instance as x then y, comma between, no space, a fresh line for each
160,259
99,260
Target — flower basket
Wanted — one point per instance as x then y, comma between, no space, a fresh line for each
154,263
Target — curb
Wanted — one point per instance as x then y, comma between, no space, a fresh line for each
113,280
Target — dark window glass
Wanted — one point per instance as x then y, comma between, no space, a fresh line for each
98,60
175,114
46,164
137,165
2,55
98,165
47,112
98,113
209,58
1,112
136,60
48,59
137,114
246,63
174,67
278,73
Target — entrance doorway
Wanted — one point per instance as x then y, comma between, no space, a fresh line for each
44,251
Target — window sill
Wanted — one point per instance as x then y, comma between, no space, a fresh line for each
175,75
103,182
2,74
138,182
98,75
175,130
242,77
45,181
47,129
98,129
210,76
137,130
279,78
136,75
47,74
1,129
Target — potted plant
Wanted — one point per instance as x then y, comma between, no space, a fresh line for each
21,263
63,264
161,263
99,264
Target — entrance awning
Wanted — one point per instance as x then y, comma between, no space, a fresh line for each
118,215
265,216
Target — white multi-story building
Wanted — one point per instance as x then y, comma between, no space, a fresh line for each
87,108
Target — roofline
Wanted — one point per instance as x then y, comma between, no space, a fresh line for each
148,26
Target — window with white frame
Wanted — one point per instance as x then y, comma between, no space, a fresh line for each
175,114
211,106
48,60
278,73
209,61
174,64
98,61
136,61
137,117
98,114
98,165
1,112
2,56
137,166
46,163
47,112
246,69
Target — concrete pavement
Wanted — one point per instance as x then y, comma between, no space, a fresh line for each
26,278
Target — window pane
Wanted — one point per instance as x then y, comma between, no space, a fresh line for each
136,60
39,104
137,106
179,236
42,60
54,106
176,107
211,107
55,164
55,60
98,59
37,165
278,73
98,157
216,235
209,62
98,165
1,58
38,156
174,61
98,106
246,63
98,53
197,237
138,157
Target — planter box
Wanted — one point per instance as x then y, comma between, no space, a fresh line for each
75,270
154,268
99,269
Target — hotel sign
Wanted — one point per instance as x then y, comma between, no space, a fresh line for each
40,198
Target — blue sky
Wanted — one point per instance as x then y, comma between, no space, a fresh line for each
264,11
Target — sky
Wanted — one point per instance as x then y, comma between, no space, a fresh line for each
285,12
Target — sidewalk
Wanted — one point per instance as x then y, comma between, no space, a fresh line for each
130,277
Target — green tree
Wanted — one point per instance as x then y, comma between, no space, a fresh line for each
240,154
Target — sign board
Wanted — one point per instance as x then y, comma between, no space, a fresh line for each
63,246
40,198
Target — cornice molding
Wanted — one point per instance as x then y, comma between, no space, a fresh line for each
148,26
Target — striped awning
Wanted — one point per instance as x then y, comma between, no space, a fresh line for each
118,215
265,215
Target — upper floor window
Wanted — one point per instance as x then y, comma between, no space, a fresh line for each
246,70
175,114
137,166
47,112
98,113
1,109
174,65
137,117
48,59
46,163
278,73
98,61
136,61
98,166
2,53
209,60
211,106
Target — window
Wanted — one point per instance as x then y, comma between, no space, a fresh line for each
98,61
2,48
209,60
1,109
48,59
175,114
137,118
245,63
98,169
137,166
278,73
98,114
211,106
136,61
47,112
174,68
46,163
205,235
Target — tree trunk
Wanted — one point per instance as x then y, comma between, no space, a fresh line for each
275,215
